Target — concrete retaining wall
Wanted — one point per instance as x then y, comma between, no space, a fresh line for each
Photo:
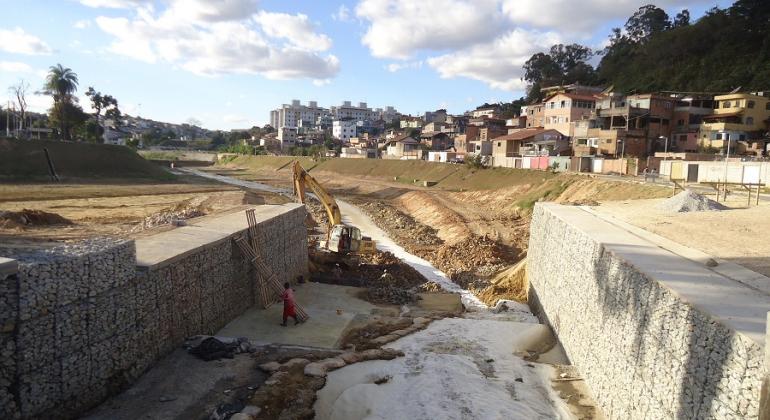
655,335
81,322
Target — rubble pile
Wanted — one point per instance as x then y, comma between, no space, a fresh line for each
182,211
478,255
317,213
28,218
401,226
430,287
687,201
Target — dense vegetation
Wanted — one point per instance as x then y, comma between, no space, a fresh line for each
723,50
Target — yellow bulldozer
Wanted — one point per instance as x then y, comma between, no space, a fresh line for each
341,238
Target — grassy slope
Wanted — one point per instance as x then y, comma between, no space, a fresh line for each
22,160
450,177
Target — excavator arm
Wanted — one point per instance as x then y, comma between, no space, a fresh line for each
303,180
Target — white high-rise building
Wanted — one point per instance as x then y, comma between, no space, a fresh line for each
297,115
358,113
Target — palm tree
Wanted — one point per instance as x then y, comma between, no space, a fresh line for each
61,83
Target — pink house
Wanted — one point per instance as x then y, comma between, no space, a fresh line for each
561,109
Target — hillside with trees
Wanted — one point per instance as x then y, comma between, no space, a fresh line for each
723,50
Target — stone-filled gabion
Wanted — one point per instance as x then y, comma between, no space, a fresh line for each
645,352
79,321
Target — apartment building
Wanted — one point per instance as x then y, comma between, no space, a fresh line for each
358,113
344,130
561,109
296,115
688,116
635,125
740,119
534,114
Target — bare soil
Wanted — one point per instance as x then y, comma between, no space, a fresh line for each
129,210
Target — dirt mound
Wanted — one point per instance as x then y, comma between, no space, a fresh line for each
687,201
30,218
425,208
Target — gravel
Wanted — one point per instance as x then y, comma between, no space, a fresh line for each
687,201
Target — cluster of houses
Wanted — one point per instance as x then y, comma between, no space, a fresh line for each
119,132
572,123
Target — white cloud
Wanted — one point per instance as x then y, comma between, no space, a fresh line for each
342,14
22,68
498,64
223,37
18,41
295,29
582,16
14,67
113,4
82,24
212,10
394,67
321,82
400,28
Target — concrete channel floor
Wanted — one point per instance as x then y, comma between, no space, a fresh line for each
181,386
331,308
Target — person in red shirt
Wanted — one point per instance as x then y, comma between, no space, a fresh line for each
289,309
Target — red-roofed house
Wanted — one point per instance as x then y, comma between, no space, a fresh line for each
530,141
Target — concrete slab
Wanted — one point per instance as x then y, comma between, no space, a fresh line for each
8,267
726,268
323,329
166,247
732,303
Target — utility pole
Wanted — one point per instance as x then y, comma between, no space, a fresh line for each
727,159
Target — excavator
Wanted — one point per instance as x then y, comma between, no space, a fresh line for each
341,238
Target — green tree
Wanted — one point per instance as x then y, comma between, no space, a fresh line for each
562,64
646,22
71,118
682,19
723,50
101,102
62,83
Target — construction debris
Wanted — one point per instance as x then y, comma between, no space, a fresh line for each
177,214
687,201
214,348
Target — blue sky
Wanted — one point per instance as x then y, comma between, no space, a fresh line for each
228,62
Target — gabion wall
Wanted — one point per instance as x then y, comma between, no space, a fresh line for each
644,352
81,322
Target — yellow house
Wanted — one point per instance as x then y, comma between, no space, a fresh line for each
737,117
